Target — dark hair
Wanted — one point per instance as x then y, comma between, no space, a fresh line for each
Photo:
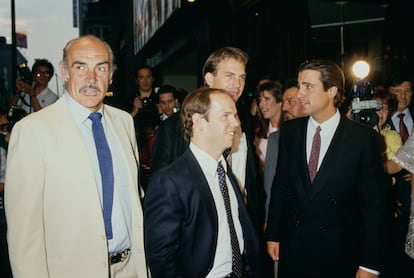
385,96
165,89
290,83
275,89
331,76
144,67
269,78
397,79
227,52
43,63
198,101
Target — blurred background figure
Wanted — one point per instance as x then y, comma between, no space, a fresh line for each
405,157
400,86
269,102
32,88
7,120
167,101
291,107
144,105
265,79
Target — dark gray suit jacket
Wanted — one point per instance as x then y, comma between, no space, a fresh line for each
270,164
180,223
336,224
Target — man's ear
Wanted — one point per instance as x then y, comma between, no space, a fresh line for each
333,91
208,79
195,118
64,71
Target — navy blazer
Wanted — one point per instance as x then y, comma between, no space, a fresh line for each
171,144
180,223
333,226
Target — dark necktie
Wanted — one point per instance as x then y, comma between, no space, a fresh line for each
227,155
403,128
237,265
106,169
314,155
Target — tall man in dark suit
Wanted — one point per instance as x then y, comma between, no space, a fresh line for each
189,231
326,216
225,69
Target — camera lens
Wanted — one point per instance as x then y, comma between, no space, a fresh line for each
367,117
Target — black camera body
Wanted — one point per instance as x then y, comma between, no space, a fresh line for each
363,106
25,73
15,114
146,101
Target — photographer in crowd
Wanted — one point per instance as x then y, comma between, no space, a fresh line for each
32,92
144,106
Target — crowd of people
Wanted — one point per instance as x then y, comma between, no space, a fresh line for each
200,185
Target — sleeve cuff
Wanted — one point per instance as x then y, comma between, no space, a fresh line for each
370,270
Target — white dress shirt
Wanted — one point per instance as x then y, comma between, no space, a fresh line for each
408,120
121,210
223,256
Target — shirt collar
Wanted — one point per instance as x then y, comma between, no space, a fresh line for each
79,112
329,124
206,161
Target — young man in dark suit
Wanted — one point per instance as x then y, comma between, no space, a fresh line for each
326,216
225,69
191,228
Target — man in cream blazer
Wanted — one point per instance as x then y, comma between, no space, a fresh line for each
53,197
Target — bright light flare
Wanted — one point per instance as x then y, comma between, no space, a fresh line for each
360,69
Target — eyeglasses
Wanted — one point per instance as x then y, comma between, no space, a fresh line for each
42,73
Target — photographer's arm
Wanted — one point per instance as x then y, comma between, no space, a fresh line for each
21,86
35,102
136,106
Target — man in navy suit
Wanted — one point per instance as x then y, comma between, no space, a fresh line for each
187,228
225,69
330,223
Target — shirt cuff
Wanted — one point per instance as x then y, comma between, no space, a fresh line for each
370,270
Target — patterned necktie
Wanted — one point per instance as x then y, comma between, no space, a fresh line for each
227,155
314,155
237,265
106,169
403,128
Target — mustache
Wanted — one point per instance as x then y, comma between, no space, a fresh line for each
90,86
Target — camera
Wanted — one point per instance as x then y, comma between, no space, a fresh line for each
363,106
15,114
25,73
146,101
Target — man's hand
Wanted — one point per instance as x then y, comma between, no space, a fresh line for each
23,86
273,249
136,106
365,274
407,177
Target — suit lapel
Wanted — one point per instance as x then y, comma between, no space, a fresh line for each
305,185
335,150
198,179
